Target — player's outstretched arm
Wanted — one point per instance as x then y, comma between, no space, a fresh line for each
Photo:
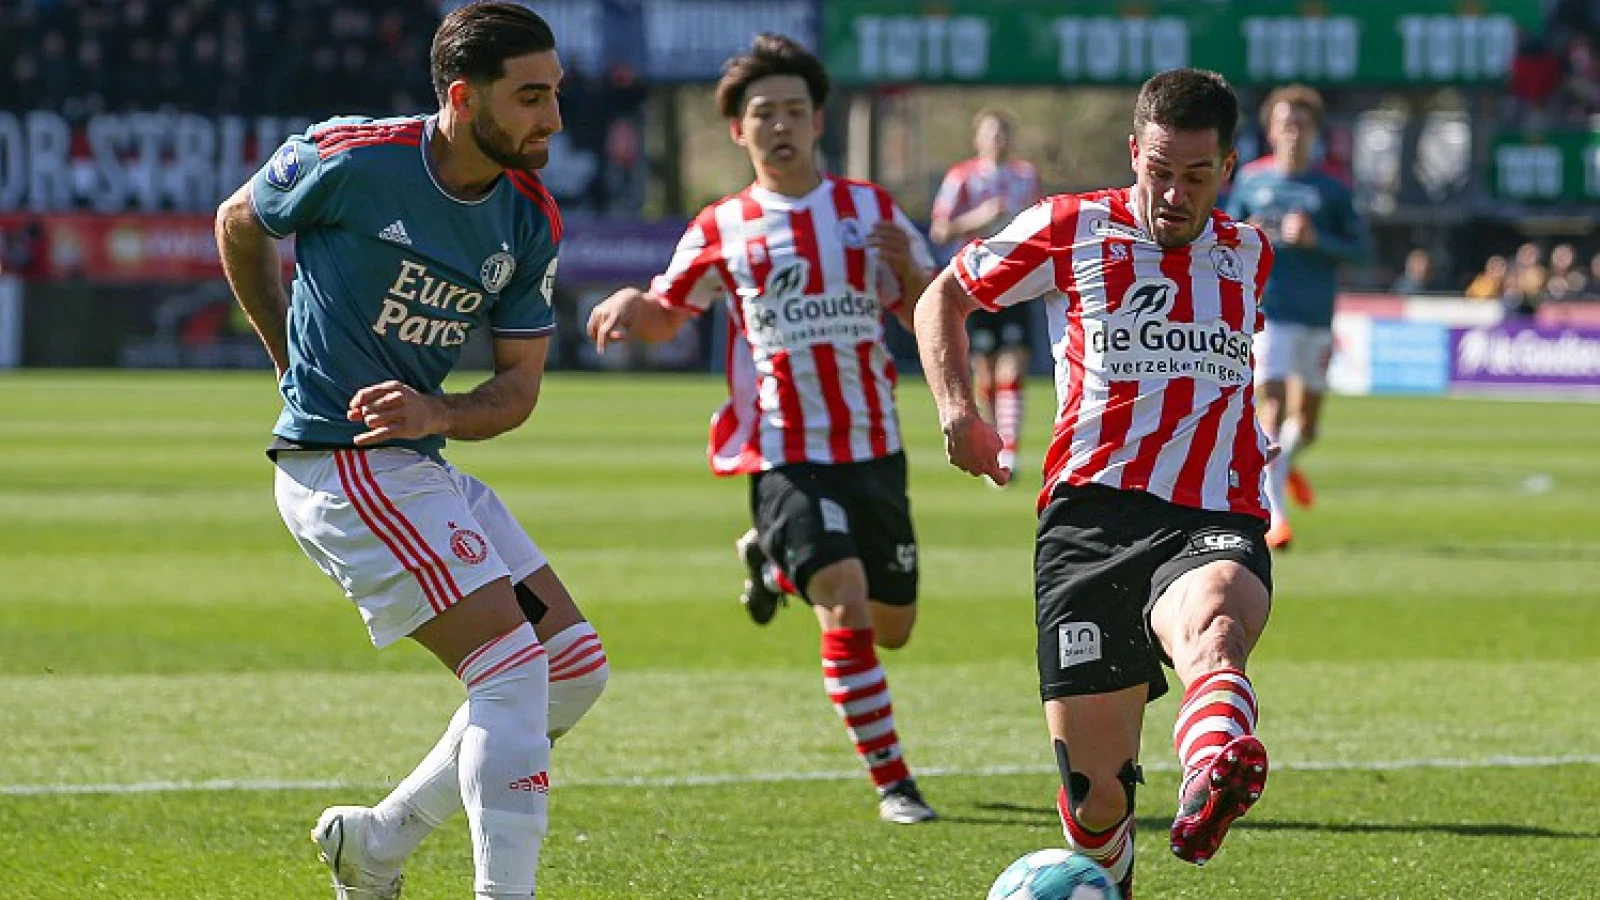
631,313
255,273
972,445
392,410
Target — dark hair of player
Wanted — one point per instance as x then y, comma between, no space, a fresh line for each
1189,100
1296,95
474,42
770,54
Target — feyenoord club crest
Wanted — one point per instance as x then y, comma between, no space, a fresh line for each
496,270
468,546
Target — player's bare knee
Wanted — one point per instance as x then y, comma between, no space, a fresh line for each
891,637
1101,800
840,584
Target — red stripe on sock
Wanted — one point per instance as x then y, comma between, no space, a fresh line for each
853,695
569,674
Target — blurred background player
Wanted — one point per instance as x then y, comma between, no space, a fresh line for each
411,233
1151,544
807,264
976,198
1309,214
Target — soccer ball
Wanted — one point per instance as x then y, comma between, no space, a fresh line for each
1054,875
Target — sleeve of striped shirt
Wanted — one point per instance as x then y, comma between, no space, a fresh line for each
951,189
297,189
889,286
1014,266
692,280
1263,268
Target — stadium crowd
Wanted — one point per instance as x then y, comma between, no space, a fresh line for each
1555,76
1529,278
304,57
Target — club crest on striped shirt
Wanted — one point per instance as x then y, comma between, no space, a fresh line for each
850,234
1226,262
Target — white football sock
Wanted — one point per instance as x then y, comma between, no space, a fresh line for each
504,761
431,794
1289,441
422,802
578,675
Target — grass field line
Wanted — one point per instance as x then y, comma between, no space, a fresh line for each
731,778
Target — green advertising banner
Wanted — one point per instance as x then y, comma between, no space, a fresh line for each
1554,167
1107,42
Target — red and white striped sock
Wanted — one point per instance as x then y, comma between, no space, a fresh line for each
1217,707
1008,414
860,693
1112,848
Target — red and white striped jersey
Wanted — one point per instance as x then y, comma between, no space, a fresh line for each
975,181
809,378
1152,346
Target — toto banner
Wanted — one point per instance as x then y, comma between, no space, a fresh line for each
1512,357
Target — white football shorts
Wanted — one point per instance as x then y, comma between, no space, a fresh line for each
404,535
1287,350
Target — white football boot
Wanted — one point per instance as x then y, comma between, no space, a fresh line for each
341,838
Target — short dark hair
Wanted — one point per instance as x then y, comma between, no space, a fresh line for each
474,42
1189,100
1297,96
770,54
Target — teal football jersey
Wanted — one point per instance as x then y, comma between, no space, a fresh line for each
393,273
1304,281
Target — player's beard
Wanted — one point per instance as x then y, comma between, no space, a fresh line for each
494,143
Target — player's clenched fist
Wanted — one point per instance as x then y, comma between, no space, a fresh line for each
893,246
392,410
973,446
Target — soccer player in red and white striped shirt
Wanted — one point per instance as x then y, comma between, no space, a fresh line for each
976,198
1151,539
807,264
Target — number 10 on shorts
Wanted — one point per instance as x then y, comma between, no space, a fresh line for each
1078,642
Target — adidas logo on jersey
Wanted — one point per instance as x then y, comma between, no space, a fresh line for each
396,233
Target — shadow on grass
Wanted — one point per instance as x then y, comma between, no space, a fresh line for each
1018,813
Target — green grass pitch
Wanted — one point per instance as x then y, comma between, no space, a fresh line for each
181,692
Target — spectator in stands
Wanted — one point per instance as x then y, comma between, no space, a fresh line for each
1534,80
1580,92
1418,276
1528,273
1490,284
1592,292
1525,282
1567,279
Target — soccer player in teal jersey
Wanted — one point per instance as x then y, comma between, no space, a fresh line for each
411,234
1309,214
